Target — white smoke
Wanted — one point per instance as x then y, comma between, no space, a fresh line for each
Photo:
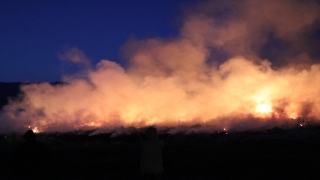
178,82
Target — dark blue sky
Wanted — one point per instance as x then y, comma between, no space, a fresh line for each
33,33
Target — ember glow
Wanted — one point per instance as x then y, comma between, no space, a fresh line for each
35,129
264,108
180,82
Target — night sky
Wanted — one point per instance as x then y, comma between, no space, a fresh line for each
34,33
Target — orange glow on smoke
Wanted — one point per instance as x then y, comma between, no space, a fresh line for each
229,95
263,108
179,82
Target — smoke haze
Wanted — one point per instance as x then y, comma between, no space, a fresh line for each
235,64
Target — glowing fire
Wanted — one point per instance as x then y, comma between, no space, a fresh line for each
35,129
263,108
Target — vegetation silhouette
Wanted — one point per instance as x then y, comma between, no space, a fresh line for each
31,158
270,154
151,155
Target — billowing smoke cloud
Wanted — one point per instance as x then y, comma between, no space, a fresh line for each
74,56
236,65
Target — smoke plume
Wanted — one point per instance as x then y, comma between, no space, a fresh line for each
235,64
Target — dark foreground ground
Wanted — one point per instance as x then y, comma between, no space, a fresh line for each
275,154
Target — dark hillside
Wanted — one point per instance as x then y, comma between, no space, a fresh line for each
8,90
274,154
12,89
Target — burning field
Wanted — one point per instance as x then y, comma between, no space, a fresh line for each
235,95
234,65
